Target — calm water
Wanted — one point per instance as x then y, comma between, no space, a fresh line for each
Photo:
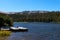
37,31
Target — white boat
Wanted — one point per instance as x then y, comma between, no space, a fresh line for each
18,29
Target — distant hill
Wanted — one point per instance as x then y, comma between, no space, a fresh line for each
28,12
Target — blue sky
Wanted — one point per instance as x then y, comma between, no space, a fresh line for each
22,5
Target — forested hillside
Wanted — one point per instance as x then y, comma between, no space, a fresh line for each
27,16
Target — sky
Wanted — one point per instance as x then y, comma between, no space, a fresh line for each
29,5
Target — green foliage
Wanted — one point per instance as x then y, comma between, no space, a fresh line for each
4,33
5,20
9,21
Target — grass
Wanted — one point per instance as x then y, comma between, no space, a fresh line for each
4,33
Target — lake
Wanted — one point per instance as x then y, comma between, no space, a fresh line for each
37,31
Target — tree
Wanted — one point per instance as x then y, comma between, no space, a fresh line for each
9,21
1,22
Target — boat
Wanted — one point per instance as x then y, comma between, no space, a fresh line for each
18,29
